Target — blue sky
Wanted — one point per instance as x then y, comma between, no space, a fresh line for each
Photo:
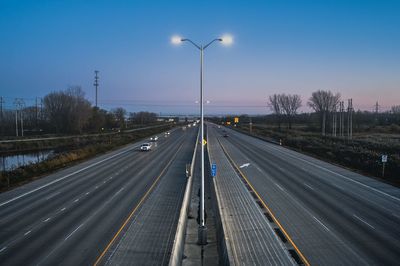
351,47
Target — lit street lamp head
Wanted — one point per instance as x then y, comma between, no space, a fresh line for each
226,39
176,40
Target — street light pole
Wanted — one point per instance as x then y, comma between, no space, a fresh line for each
202,229
202,233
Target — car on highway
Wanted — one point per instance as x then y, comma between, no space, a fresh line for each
155,138
145,147
225,135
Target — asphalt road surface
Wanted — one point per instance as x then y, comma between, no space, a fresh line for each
70,217
334,216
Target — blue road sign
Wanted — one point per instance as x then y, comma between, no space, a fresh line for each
213,170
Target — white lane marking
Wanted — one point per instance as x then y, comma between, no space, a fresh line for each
281,188
27,233
104,181
307,185
63,209
345,177
96,187
76,229
4,248
244,165
326,228
116,193
87,193
363,221
66,176
48,219
76,200
51,196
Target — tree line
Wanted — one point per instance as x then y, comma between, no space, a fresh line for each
330,111
69,112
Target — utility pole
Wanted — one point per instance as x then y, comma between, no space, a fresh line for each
341,119
334,122
96,82
1,115
36,113
350,118
19,103
251,126
16,116
22,118
41,109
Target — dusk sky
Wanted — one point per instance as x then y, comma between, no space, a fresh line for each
351,47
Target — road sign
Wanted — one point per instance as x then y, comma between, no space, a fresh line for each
384,158
204,142
213,170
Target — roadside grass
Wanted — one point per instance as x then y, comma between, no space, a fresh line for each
362,153
75,151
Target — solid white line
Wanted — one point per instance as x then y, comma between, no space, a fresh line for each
27,233
321,223
309,186
4,248
66,176
363,221
48,219
76,200
345,177
63,209
76,229
279,187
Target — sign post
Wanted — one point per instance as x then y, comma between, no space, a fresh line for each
213,170
384,161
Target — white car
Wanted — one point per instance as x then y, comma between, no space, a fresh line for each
145,147
154,138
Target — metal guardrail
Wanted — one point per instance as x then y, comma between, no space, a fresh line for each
177,248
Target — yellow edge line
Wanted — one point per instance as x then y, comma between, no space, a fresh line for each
303,258
134,210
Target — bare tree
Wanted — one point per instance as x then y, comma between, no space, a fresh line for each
142,117
119,114
323,102
67,111
274,105
395,109
289,104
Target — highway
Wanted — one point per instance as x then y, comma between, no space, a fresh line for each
71,216
333,215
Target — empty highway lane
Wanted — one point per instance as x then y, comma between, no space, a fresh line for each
334,216
70,217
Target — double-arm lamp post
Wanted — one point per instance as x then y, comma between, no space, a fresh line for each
202,234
